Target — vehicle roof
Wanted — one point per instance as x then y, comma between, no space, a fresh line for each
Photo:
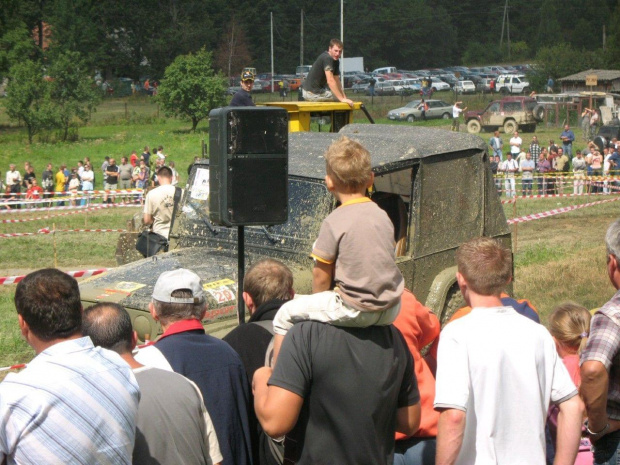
391,147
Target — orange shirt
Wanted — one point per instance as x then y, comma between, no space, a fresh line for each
420,327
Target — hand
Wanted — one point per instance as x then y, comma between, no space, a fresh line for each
348,102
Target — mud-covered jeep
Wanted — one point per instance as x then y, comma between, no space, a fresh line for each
509,113
436,187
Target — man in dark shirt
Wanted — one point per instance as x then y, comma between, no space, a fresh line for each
266,286
243,98
111,180
323,81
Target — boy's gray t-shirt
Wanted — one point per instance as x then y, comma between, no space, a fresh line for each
359,238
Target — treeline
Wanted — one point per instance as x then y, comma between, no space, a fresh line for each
136,38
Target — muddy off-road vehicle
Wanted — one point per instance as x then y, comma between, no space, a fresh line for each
510,114
436,186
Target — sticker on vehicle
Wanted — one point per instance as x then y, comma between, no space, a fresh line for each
200,188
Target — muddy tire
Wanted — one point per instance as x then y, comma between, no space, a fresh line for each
454,301
510,126
473,126
539,113
410,119
446,116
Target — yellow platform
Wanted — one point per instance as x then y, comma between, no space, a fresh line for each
300,113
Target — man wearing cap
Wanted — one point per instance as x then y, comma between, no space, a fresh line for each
179,304
323,81
243,98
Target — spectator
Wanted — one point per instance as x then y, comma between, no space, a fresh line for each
104,165
47,181
173,425
420,327
28,176
142,176
339,394
34,192
544,166
527,174
585,124
491,357
568,137
521,306
175,173
515,144
456,113
124,174
74,185
111,181
67,174
73,403
159,205
494,164
266,286
510,167
562,165
569,324
243,97
550,85
179,304
535,150
60,179
133,159
594,118
579,172
88,178
160,153
597,171
147,156
13,179
600,384
496,144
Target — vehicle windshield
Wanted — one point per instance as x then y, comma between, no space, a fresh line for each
309,204
413,104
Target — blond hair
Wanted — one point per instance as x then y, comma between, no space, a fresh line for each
268,279
348,165
485,264
569,324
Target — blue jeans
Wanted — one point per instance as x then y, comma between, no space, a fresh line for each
415,451
606,449
568,150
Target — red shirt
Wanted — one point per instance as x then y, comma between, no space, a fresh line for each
133,159
34,192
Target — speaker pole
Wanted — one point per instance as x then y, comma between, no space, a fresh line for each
240,273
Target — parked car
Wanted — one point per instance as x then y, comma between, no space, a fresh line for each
383,88
465,87
512,84
449,78
438,85
484,85
509,113
411,112
360,87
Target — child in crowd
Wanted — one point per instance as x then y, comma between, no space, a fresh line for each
354,249
569,324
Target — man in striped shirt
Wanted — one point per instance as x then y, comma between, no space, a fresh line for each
74,403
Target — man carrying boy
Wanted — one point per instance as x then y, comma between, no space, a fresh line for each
359,258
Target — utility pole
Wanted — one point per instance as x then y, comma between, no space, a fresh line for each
301,46
508,28
501,39
272,86
342,40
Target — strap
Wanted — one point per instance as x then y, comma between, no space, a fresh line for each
268,325
177,197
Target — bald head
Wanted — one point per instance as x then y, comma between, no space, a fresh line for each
109,326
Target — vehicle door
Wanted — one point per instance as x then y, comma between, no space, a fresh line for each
492,115
434,109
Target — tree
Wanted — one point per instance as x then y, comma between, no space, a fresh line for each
191,88
71,90
233,55
28,98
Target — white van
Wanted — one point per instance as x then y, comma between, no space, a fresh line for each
386,70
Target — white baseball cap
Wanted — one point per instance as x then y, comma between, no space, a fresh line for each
175,280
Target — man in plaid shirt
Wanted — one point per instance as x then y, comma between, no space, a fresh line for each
600,364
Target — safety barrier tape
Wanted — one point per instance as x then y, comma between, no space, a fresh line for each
135,203
57,199
50,231
557,211
26,220
557,174
75,274
547,196
111,191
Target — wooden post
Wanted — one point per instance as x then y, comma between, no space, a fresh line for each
54,242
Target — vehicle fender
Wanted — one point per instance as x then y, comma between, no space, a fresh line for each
439,289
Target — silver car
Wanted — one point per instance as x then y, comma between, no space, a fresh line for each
412,111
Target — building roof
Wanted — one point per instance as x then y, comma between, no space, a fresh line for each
602,74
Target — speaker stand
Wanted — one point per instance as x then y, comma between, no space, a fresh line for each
240,273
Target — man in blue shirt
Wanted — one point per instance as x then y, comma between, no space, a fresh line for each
568,136
243,97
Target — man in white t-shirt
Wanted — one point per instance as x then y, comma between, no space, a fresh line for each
498,372
456,112
159,204
510,166
515,144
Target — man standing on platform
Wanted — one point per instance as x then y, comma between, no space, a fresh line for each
323,81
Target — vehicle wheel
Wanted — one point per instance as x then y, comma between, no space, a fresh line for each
446,116
539,113
526,90
410,118
510,126
454,301
473,126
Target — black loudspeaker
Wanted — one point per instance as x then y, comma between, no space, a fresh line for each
248,166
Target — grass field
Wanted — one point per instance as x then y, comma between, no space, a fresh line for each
556,259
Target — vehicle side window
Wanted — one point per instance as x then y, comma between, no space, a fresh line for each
512,106
494,107
516,81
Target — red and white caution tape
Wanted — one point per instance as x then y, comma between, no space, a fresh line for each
84,210
548,196
75,274
113,191
19,366
135,203
557,211
49,231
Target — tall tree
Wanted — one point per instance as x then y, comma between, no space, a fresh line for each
232,54
191,88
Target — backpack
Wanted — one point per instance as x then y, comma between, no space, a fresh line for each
276,446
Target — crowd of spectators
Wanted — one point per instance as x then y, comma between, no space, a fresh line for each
495,386
74,185
553,167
